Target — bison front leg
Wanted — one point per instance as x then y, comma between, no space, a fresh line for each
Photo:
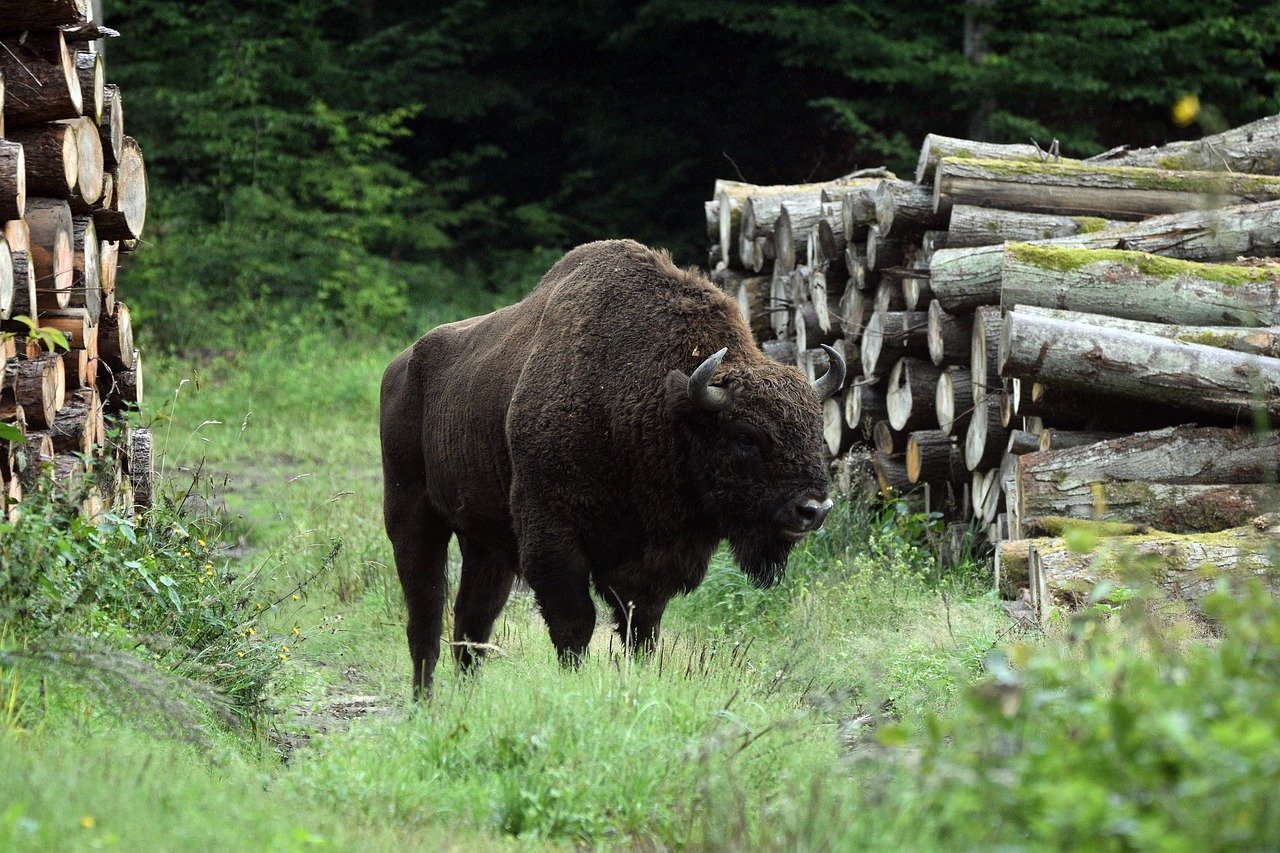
638,619
557,571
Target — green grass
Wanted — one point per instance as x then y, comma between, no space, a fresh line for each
864,703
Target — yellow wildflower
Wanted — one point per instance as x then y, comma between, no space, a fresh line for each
1185,110
88,822
296,630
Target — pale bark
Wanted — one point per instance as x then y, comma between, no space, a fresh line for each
949,335
953,400
1252,148
912,390
1258,341
983,226
936,147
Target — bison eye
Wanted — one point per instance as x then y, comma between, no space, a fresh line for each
744,444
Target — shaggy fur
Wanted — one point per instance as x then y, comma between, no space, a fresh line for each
556,438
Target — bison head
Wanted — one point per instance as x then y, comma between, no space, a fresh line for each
754,450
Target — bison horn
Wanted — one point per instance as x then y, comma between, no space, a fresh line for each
833,380
705,395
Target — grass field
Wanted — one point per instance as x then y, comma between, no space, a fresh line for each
803,717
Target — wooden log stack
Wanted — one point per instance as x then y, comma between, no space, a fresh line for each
73,199
1044,343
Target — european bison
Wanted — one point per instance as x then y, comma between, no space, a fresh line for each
577,439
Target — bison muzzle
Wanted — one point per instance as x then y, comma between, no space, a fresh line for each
606,432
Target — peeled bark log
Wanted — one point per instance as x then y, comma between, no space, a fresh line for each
1079,189
13,180
982,226
19,15
111,128
953,400
91,73
912,388
40,78
986,438
125,217
52,238
1174,562
115,339
949,335
932,457
1138,286
52,158
906,206
936,147
1252,148
984,352
966,278
1261,341
1141,367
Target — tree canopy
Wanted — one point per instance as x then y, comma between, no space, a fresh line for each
374,158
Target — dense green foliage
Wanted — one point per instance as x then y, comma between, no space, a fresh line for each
372,158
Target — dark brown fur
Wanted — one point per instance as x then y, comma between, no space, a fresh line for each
555,437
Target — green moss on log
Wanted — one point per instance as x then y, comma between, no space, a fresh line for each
1059,259
1056,525
1090,224
1132,177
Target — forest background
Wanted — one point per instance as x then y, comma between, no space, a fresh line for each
365,163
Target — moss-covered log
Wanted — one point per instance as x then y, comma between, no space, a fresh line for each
1141,367
936,147
1172,507
1252,148
1080,189
983,226
1139,286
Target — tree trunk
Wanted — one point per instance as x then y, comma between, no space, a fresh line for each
1138,286
949,335
13,180
1174,562
1252,148
18,15
966,278
982,226
1261,341
1140,367
984,352
124,218
52,239
52,158
953,400
903,206
932,457
986,438
40,79
1080,189
937,147
90,180
912,389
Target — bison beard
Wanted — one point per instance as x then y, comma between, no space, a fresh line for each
556,439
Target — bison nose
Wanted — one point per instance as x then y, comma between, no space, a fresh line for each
812,513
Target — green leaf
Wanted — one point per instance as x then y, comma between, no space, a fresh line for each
11,434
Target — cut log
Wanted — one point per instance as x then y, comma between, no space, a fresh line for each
125,217
865,404
855,312
1140,286
883,251
889,296
932,457
7,279
1185,567
1252,148
19,15
916,292
986,438
813,363
809,334
1171,507
1259,341
115,339
852,475
780,305
1061,439
90,179
937,147
126,387
949,335
1070,408
890,335
13,180
752,294
108,259
838,438
35,388
953,400
141,472
73,323
984,352
911,391
81,368
52,239
966,278
91,73
111,127
983,226
1022,442
52,158
40,78
903,206
36,460
891,473
1141,367
72,429
86,291
1080,189
887,439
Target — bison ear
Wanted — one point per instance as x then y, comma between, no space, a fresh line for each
677,387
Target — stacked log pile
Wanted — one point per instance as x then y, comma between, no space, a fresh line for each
1043,342
73,196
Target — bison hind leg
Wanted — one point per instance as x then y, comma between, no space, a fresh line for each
420,540
487,575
